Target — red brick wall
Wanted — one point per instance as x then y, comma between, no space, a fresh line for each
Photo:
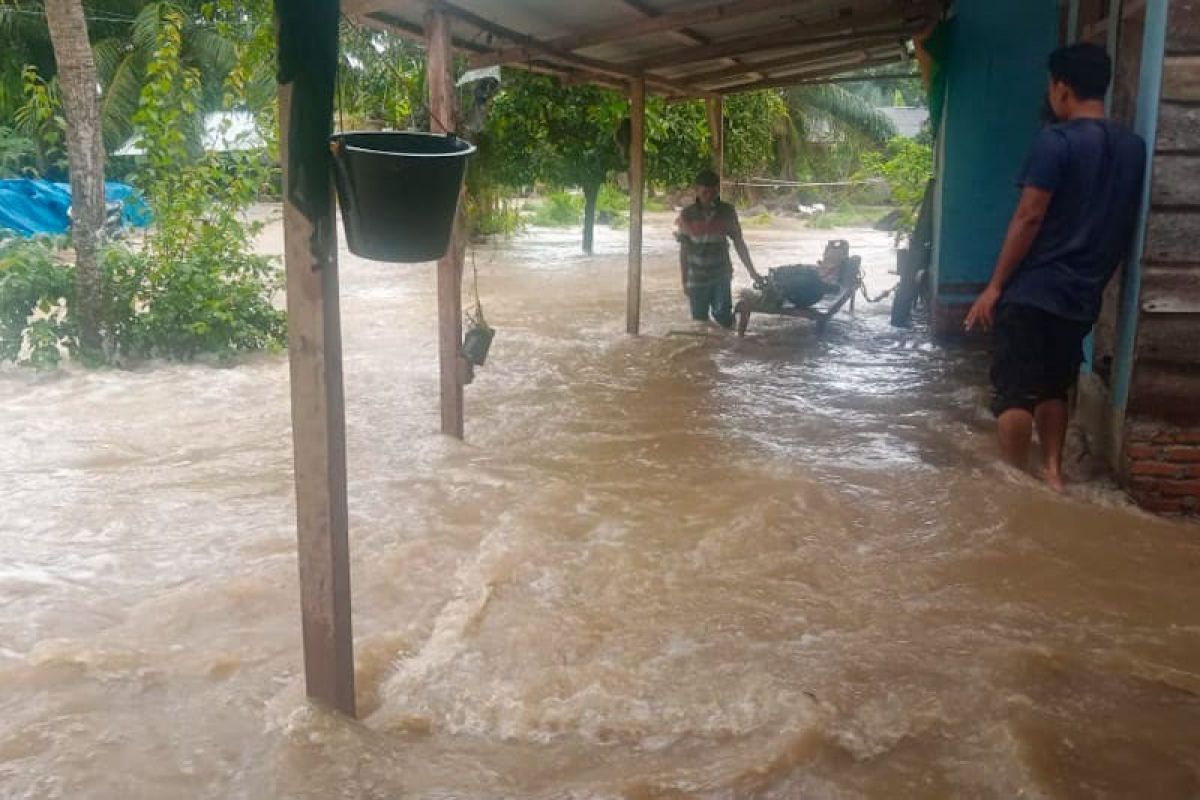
1162,467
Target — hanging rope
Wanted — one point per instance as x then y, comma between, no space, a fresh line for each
475,318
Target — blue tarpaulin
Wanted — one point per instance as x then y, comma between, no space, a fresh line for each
32,206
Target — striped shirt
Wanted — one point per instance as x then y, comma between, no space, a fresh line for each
705,234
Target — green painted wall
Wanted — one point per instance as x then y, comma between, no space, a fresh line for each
995,81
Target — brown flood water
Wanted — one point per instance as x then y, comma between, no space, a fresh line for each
663,567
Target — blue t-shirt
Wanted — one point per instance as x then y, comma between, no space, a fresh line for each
1094,168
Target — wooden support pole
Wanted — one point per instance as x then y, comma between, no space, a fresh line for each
443,119
319,445
637,188
716,132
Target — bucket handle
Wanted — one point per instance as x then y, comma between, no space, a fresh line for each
336,148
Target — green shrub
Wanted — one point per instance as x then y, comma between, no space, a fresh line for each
17,152
612,200
907,166
35,290
559,210
490,214
196,287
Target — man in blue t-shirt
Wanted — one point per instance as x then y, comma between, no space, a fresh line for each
1081,190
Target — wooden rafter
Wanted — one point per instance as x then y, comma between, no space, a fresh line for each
905,76
802,78
548,53
788,36
671,21
841,62
794,59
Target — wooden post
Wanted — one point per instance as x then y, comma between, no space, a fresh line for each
444,119
319,445
637,185
716,132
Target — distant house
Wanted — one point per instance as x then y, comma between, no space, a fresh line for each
908,119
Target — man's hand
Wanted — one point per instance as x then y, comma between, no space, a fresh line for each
983,313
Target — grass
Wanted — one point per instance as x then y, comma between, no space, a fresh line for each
849,217
758,220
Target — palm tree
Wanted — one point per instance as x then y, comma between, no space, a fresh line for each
85,154
845,117
124,33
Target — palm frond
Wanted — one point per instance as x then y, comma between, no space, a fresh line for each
210,51
144,33
842,109
120,99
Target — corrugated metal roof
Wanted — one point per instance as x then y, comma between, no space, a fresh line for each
681,47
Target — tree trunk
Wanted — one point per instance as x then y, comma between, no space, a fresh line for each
590,192
85,155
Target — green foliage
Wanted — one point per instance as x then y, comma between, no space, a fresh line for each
849,216
489,213
381,81
229,42
831,129
907,166
40,119
202,304
612,200
539,131
751,126
678,141
34,291
197,287
559,210
17,152
178,311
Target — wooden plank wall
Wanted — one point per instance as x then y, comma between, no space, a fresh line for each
1166,380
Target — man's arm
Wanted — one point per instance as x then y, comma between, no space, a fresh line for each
683,269
1022,231
739,244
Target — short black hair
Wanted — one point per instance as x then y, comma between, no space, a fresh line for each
1085,67
706,177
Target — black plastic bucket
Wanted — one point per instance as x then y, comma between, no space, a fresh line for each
398,192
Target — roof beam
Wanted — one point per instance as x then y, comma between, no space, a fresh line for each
907,76
671,21
807,33
844,60
795,59
540,50
683,35
808,78
389,23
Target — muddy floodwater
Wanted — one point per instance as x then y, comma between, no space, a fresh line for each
678,565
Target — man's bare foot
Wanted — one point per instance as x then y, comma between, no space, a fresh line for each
1054,480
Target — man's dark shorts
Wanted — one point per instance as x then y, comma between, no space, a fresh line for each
1036,356
717,297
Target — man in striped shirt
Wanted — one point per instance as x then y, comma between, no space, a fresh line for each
705,230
